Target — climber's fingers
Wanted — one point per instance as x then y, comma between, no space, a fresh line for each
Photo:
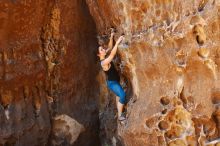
112,30
120,38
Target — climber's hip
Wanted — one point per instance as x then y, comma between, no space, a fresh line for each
115,87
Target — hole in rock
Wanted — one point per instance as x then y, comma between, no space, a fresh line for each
200,34
163,125
164,111
165,100
199,40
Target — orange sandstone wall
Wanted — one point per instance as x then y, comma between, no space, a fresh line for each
46,51
172,61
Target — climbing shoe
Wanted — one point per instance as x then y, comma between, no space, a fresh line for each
121,118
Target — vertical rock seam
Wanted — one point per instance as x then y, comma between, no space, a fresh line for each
47,96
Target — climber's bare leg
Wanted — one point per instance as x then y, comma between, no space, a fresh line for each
117,101
119,106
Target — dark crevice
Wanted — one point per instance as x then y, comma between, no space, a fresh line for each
108,120
202,5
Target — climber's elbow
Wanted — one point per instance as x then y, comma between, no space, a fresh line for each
108,59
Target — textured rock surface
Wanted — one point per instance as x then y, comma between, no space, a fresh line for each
169,64
46,50
65,130
172,63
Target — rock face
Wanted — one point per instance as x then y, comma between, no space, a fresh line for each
46,51
65,130
171,67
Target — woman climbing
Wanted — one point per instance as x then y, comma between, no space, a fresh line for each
113,78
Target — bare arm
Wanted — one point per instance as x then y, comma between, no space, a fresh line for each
110,44
113,52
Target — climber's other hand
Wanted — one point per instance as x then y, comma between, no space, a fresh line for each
112,30
120,39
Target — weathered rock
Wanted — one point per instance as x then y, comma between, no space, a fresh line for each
172,51
65,130
46,51
169,64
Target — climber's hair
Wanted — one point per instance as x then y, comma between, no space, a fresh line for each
103,40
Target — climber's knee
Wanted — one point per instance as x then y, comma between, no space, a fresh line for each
118,90
122,98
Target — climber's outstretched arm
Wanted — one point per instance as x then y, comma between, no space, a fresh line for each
113,52
110,44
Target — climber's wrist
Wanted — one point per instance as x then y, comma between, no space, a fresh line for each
111,38
112,34
117,43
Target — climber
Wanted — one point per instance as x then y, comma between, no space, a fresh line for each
113,78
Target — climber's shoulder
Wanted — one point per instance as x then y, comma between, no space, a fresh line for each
105,66
103,62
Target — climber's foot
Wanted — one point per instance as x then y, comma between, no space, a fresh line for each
121,118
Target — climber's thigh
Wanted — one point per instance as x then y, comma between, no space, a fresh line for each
115,87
